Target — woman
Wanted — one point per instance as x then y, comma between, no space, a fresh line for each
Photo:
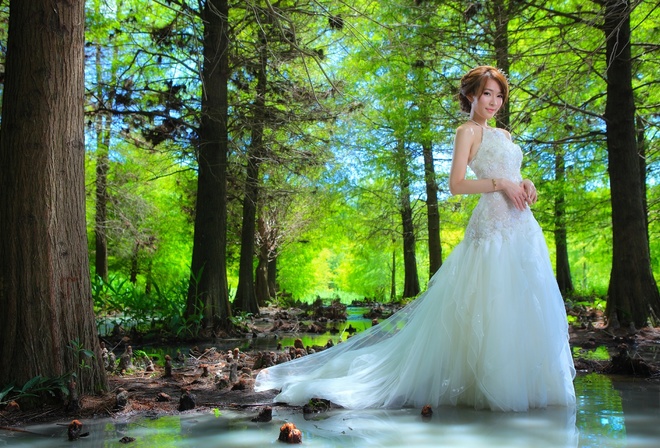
491,330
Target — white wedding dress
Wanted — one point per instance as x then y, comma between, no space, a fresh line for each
489,332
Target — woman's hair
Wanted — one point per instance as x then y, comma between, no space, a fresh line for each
474,81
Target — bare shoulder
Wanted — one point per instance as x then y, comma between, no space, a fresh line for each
467,132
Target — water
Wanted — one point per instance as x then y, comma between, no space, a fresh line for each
611,412
336,331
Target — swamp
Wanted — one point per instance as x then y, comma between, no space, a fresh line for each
205,396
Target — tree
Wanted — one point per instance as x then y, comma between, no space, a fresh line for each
246,298
280,120
562,266
47,326
424,97
208,292
633,295
103,134
411,279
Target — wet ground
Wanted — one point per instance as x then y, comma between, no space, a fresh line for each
618,389
611,412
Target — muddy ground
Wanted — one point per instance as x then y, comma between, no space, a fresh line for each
207,379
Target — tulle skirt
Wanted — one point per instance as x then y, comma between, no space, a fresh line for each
490,332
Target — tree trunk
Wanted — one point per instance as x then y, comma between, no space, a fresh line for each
208,291
246,298
641,148
103,121
563,268
633,292
273,288
432,214
261,282
47,316
502,59
135,263
103,129
410,277
393,277
101,217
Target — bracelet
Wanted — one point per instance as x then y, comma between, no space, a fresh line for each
494,184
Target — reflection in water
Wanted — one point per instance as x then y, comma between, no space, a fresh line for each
449,426
600,411
641,410
610,412
336,332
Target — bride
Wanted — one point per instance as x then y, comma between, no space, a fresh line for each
490,331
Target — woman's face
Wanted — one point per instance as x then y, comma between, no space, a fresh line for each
489,102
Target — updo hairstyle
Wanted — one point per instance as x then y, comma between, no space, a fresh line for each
474,81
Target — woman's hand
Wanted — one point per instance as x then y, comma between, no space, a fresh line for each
515,192
530,191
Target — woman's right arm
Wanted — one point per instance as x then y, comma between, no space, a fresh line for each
458,184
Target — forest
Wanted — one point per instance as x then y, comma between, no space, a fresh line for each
186,163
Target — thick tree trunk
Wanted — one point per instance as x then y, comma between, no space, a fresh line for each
47,316
410,277
246,297
432,213
633,292
208,291
563,268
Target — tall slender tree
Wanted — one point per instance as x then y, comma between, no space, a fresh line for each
424,97
246,298
47,325
411,279
562,266
208,291
633,295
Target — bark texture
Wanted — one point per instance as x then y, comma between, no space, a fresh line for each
633,293
208,293
562,266
410,277
246,297
45,294
432,213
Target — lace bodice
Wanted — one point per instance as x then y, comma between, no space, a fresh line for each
495,216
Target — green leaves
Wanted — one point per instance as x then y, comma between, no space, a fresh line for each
338,98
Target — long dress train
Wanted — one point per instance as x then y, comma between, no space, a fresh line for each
490,331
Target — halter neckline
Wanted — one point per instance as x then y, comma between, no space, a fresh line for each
479,124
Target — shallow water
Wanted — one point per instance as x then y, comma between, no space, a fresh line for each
611,412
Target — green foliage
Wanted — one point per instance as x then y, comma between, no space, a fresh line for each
119,302
329,190
601,419
598,354
58,387
82,355
36,387
240,320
